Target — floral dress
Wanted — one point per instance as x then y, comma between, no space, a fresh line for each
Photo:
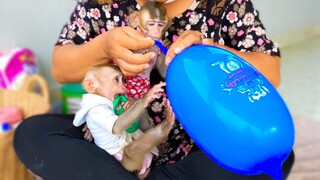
234,23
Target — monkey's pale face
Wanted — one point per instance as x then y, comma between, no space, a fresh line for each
112,85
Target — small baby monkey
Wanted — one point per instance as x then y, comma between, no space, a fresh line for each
152,21
103,83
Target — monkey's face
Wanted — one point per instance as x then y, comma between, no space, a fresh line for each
112,84
154,28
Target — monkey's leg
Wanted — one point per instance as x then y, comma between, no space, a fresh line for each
135,152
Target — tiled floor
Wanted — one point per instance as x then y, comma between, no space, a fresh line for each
300,89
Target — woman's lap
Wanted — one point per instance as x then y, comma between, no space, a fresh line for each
198,166
52,147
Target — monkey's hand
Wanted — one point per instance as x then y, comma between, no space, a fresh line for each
169,121
154,93
133,112
160,133
129,103
142,176
87,134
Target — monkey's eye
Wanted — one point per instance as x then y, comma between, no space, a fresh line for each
161,24
116,79
119,79
151,23
124,81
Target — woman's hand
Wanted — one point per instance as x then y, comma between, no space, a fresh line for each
186,39
71,61
119,44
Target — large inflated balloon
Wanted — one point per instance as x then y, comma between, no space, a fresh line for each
230,110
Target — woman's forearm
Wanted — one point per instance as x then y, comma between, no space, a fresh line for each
71,62
268,65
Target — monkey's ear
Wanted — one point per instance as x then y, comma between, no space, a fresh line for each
134,19
89,85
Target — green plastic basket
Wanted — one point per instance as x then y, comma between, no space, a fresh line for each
71,97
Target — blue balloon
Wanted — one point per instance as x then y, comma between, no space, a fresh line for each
230,110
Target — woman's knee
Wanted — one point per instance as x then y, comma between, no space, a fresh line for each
34,128
27,127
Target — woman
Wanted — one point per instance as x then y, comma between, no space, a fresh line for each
99,32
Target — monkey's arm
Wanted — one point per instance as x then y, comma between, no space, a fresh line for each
161,66
144,121
133,112
128,117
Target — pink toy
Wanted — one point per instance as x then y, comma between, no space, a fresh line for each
10,114
15,65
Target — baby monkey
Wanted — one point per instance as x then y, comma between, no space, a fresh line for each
103,83
152,21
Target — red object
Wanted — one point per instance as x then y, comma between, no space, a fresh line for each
10,114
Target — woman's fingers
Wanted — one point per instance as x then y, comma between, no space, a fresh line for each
132,64
185,40
125,41
134,40
128,37
130,69
208,41
133,57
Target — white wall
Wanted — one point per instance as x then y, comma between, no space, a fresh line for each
281,16
36,24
